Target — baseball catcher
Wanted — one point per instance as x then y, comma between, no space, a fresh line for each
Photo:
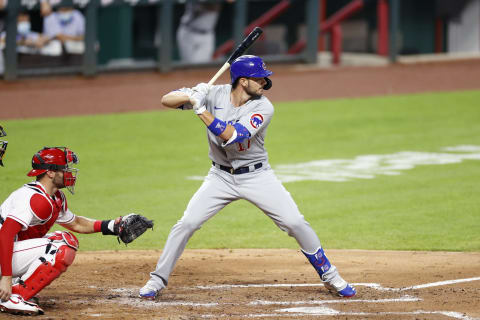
26,217
3,145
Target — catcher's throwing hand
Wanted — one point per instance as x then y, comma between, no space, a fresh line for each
130,227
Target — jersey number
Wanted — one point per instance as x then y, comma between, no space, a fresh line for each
241,146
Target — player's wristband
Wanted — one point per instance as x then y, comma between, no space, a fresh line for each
105,226
217,127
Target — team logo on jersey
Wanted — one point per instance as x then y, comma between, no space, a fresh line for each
256,120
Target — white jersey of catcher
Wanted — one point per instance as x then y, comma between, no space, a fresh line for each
255,115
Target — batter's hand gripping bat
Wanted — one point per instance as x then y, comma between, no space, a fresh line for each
246,43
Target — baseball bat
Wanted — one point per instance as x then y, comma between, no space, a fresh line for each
242,47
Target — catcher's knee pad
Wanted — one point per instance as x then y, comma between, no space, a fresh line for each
66,237
58,256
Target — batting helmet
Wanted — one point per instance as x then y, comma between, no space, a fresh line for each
3,145
56,159
250,67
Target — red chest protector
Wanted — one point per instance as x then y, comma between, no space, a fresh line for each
46,210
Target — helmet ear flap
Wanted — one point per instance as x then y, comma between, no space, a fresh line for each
268,85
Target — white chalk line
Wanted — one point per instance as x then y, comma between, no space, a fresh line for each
126,298
319,310
405,298
375,286
440,283
324,311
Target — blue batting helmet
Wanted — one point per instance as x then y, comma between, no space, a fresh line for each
250,67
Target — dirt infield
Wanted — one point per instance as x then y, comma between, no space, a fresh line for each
59,96
267,284
264,284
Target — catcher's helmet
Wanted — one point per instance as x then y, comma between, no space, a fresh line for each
3,145
250,67
56,159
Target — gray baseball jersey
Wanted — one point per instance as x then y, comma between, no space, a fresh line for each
255,115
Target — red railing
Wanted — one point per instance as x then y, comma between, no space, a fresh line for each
382,22
264,20
331,25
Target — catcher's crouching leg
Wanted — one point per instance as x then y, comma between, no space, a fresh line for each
59,254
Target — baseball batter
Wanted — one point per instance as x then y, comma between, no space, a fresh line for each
30,259
237,116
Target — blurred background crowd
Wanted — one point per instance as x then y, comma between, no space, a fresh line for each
52,34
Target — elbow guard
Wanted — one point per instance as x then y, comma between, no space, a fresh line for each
241,133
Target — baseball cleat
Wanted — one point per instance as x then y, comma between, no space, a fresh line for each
16,305
348,292
336,285
148,292
329,274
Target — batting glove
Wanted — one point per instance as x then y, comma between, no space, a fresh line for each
197,97
202,87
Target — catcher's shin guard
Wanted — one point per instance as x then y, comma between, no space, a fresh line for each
44,271
329,274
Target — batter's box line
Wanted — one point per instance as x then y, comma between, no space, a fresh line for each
375,286
324,311
127,296
405,298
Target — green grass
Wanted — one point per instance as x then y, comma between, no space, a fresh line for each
137,162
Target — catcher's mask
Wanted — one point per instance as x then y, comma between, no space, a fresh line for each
56,159
249,66
3,145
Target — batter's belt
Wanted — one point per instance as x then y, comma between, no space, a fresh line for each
240,170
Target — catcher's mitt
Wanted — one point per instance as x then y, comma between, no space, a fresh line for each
131,227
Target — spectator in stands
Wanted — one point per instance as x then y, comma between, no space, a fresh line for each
28,41
3,5
66,24
196,33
